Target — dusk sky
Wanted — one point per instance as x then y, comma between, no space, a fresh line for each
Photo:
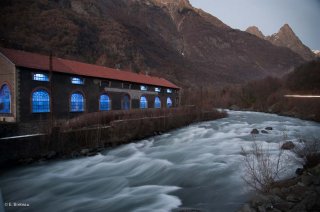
302,15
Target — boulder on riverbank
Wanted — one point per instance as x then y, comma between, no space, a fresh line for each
300,193
288,145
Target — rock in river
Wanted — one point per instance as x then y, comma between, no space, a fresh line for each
254,131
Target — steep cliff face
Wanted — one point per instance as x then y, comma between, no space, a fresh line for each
285,37
167,38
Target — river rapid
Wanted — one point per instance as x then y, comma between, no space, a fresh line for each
199,166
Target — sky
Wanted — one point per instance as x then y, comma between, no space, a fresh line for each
269,15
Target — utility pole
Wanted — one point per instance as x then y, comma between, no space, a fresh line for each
201,98
51,89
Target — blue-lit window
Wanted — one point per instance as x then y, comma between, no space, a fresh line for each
40,77
125,103
157,102
5,99
157,89
105,103
169,90
143,102
40,101
77,80
143,87
77,102
169,102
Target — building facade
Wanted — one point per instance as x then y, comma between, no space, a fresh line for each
36,87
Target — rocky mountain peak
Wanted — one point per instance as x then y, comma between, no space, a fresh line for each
316,52
287,32
255,31
287,38
173,2
286,27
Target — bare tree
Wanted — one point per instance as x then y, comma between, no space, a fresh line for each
262,168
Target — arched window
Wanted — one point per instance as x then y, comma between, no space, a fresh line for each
157,102
40,101
105,103
169,102
125,102
5,99
143,102
77,102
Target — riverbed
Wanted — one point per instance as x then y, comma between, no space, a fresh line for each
199,166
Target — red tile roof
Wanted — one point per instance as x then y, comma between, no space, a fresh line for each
41,62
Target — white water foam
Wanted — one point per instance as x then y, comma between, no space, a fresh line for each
199,166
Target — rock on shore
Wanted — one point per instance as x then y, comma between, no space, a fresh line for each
299,194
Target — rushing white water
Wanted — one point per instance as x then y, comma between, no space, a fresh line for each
199,166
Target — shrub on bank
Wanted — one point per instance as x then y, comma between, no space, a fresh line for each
106,117
262,169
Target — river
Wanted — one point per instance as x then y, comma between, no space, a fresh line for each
199,166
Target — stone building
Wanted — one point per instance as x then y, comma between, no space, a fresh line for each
34,87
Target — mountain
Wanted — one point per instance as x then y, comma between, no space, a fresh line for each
305,78
255,31
316,52
267,94
285,37
167,38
